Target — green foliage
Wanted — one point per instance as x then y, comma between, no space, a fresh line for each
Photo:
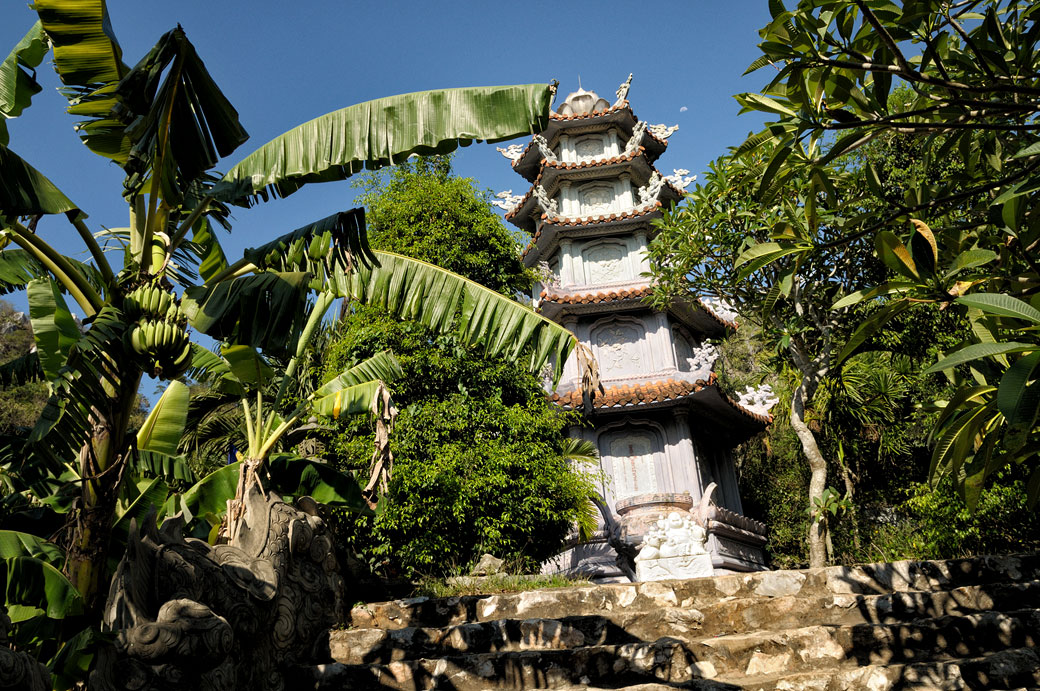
478,450
24,393
937,104
421,210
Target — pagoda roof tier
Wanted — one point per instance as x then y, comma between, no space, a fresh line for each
548,233
529,210
703,398
620,116
699,317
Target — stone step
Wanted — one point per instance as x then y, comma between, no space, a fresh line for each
1005,669
666,661
726,617
667,664
831,647
869,579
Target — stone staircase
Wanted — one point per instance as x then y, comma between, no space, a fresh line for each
961,624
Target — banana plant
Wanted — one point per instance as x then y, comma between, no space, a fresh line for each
167,124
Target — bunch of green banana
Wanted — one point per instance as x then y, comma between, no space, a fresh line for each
150,301
158,340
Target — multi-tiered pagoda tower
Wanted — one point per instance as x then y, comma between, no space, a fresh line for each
663,428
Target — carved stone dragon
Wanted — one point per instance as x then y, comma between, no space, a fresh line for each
189,615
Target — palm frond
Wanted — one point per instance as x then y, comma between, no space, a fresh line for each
412,289
385,131
17,76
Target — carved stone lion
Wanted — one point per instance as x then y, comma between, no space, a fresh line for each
188,615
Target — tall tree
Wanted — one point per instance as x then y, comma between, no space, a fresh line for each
966,242
477,449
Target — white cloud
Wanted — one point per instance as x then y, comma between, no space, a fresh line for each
683,109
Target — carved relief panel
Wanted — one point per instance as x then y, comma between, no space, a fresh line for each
630,457
596,199
619,348
605,262
589,148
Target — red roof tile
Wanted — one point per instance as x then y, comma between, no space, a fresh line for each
593,298
656,392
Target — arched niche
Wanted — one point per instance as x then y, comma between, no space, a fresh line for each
632,456
605,261
620,347
683,350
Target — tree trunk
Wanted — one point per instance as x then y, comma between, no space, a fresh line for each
817,464
101,467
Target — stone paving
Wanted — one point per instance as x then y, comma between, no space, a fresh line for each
960,624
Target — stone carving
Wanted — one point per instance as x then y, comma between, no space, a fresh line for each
19,671
604,263
549,206
543,148
648,194
674,548
507,200
699,360
622,91
596,199
513,152
662,131
589,148
636,139
679,179
720,307
759,399
633,465
547,277
617,349
188,615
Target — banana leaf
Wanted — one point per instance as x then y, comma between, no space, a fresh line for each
26,192
164,426
34,587
385,131
347,242
17,77
383,366
89,61
54,328
15,544
179,116
412,289
265,311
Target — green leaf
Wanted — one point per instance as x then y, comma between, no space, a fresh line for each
164,426
388,130
869,327
54,328
969,259
763,254
1018,397
17,268
36,586
293,476
381,366
411,289
1001,305
752,101
150,495
17,81
895,255
90,63
26,192
15,544
887,288
265,310
1031,150
247,365
345,401
211,260
977,351
209,495
169,468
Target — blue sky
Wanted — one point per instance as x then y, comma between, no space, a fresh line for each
283,63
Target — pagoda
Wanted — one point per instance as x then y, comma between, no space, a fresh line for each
664,430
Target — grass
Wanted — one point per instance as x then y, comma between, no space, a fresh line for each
492,585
